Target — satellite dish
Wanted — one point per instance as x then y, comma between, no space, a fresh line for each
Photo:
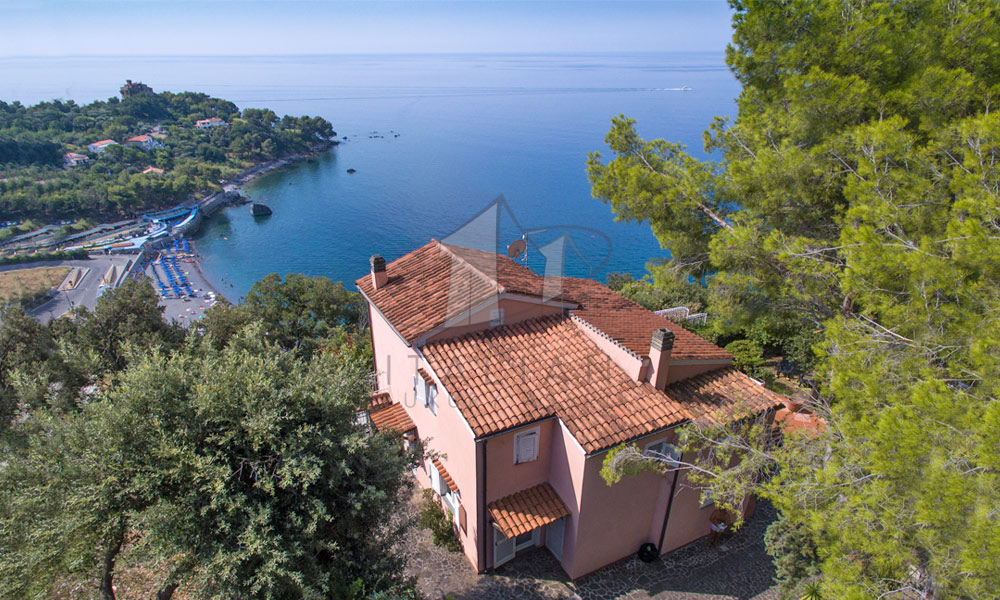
516,248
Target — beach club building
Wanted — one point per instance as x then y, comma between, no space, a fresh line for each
520,384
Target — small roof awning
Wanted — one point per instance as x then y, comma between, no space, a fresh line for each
392,417
426,376
379,400
444,475
526,510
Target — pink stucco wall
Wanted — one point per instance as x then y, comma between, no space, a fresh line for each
446,433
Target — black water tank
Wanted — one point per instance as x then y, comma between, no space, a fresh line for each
648,553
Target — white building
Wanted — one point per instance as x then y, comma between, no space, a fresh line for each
209,123
143,142
98,147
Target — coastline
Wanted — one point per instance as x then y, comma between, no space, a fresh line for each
235,184
251,173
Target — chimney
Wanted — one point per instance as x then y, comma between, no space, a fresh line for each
379,276
659,354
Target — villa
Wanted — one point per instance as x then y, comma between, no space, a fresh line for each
209,123
143,142
75,159
98,147
520,384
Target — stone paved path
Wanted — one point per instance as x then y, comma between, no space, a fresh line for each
739,570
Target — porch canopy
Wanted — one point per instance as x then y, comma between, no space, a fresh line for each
527,510
392,417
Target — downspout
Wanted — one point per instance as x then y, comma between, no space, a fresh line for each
666,516
482,521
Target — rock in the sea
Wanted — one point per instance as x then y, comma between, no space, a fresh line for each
352,171
259,210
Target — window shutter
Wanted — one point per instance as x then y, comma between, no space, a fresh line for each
463,519
527,447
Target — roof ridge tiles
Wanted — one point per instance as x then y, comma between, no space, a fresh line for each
603,334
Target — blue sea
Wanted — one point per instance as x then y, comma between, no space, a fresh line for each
433,139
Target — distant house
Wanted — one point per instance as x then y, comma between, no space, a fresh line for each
98,147
153,170
135,89
209,123
143,142
75,159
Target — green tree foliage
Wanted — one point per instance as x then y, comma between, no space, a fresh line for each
748,357
796,562
24,345
298,313
237,472
33,139
129,315
857,195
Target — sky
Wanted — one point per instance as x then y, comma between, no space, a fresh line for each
235,27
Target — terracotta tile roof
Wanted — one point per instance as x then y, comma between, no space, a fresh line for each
444,475
805,423
153,170
379,400
392,417
425,376
140,138
437,282
103,143
515,374
526,510
723,394
631,325
74,155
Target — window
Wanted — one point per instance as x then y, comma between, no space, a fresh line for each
526,446
496,317
663,449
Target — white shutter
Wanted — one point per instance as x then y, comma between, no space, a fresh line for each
527,447
432,398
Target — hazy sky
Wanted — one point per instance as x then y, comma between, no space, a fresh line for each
40,28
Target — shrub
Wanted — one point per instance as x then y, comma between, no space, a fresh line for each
796,562
434,518
748,356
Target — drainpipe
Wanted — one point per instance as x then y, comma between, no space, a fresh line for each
666,516
481,505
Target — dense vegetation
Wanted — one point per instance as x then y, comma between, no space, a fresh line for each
33,182
856,199
225,463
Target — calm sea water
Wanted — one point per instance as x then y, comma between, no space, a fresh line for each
470,128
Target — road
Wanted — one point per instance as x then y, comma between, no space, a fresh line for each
85,293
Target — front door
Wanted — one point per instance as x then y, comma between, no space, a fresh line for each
554,535
503,548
